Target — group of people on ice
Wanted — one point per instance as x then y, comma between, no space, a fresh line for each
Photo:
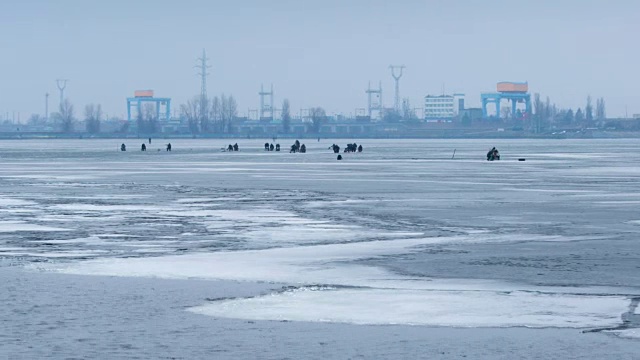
297,147
233,147
123,147
353,148
350,148
492,155
270,147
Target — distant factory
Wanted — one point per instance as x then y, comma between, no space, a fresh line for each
443,107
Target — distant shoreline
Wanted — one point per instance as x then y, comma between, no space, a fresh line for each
484,135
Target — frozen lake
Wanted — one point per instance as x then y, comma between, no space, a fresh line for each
402,251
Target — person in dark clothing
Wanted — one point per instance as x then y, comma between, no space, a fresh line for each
149,140
230,147
266,146
143,147
277,147
493,154
303,149
490,154
169,147
123,147
359,148
271,147
235,147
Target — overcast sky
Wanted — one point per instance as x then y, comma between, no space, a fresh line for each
317,53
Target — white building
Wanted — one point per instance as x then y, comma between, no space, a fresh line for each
443,106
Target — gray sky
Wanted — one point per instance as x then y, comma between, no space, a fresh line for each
317,53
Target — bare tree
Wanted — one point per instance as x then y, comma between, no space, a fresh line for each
203,114
150,117
228,112
140,125
538,108
579,117
124,127
224,111
548,114
190,111
318,116
600,109
215,114
36,119
93,116
286,116
568,117
588,110
65,116
232,108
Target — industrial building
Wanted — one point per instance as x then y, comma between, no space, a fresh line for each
146,96
514,92
441,107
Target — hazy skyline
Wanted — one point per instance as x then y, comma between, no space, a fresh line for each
316,53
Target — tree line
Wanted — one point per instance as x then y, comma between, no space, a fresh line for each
64,119
219,114
546,113
205,115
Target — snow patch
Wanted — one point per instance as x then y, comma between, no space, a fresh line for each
627,333
432,308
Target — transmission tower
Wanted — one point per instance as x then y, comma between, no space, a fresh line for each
62,84
397,77
264,108
202,71
374,97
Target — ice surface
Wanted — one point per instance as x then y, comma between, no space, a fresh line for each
627,333
9,249
322,264
91,239
4,201
347,227
106,208
198,201
381,297
16,226
54,254
433,308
